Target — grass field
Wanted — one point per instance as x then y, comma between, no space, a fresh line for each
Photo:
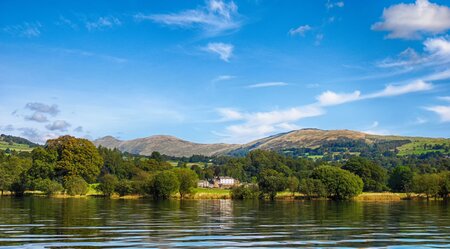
417,146
16,147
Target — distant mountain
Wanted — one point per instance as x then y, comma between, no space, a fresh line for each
167,145
298,142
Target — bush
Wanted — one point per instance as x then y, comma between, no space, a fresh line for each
108,184
125,187
244,192
48,186
312,188
340,184
164,184
76,185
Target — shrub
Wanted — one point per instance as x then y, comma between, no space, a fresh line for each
245,191
48,186
108,184
125,187
340,184
76,185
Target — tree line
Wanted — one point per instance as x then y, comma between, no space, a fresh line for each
72,166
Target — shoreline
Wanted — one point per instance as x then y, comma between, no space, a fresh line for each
224,194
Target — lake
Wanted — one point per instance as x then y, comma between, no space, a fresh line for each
37,222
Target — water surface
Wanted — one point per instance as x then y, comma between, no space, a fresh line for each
36,222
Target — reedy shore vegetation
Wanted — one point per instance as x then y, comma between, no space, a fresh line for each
71,166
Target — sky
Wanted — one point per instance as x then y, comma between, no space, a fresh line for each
223,71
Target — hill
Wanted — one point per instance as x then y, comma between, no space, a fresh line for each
304,142
15,143
167,145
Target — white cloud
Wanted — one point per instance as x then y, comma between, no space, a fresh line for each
439,46
215,18
268,84
329,98
229,114
301,30
43,108
224,50
58,125
259,124
38,117
394,90
442,111
318,40
223,78
253,125
29,30
411,21
103,22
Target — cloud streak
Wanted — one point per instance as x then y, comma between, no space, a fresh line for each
217,17
268,84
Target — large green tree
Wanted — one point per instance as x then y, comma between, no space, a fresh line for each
401,179
340,184
271,181
75,157
164,184
188,180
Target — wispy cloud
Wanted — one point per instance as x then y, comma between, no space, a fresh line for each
63,21
102,23
436,52
411,21
37,117
26,29
223,78
268,84
253,125
216,18
301,30
224,50
83,53
330,4
442,111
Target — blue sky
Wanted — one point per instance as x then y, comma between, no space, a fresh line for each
223,71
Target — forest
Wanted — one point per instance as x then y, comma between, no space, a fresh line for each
72,166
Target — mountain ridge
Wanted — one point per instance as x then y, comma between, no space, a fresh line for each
311,138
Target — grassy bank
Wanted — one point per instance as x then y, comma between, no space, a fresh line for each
213,193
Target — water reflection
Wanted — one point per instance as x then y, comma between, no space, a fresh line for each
91,222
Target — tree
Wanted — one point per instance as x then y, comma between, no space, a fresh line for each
312,188
340,184
444,184
372,175
271,181
75,157
108,184
401,179
428,184
164,184
48,186
76,185
293,184
188,180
